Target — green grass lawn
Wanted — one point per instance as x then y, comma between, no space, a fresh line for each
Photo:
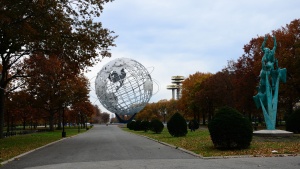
16,145
200,143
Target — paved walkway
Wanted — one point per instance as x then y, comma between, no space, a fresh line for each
109,147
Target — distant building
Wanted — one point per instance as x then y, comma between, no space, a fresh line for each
176,86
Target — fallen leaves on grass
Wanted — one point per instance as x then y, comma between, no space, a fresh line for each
200,142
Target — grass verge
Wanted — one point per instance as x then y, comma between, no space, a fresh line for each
200,143
16,145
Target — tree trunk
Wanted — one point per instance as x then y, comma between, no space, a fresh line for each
2,98
7,122
59,127
24,123
198,117
51,120
35,124
203,119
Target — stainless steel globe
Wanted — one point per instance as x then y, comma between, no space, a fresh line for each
124,86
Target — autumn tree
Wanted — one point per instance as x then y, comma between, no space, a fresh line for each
172,108
52,82
99,117
82,110
189,102
105,117
288,55
66,29
149,112
215,91
22,106
162,110
96,116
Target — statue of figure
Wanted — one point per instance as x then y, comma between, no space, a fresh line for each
267,96
268,59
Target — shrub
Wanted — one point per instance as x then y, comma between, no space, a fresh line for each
156,126
230,130
193,125
177,126
293,122
137,126
131,125
145,125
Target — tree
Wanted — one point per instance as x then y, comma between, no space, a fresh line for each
22,105
96,117
245,81
161,110
83,110
149,112
214,92
172,107
99,117
189,103
54,85
62,28
292,123
105,117
288,55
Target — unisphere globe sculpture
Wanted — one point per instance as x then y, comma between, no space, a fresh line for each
124,86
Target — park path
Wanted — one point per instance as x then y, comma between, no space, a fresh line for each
109,147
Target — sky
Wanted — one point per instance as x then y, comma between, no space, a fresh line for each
182,37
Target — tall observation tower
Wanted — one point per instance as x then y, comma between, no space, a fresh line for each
176,86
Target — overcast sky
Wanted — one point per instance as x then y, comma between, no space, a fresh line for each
181,37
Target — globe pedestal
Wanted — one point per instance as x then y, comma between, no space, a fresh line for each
124,121
273,133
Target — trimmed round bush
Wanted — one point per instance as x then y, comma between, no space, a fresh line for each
293,122
137,126
145,125
156,126
193,125
177,126
230,130
131,125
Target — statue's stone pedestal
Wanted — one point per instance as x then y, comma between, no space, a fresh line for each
273,133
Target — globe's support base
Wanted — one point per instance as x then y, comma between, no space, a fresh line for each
124,121
273,133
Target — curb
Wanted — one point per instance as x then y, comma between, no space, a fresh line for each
172,146
28,152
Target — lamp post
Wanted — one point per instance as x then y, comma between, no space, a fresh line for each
79,122
86,122
165,113
12,123
63,134
31,123
7,129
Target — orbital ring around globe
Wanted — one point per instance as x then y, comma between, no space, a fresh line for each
124,86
